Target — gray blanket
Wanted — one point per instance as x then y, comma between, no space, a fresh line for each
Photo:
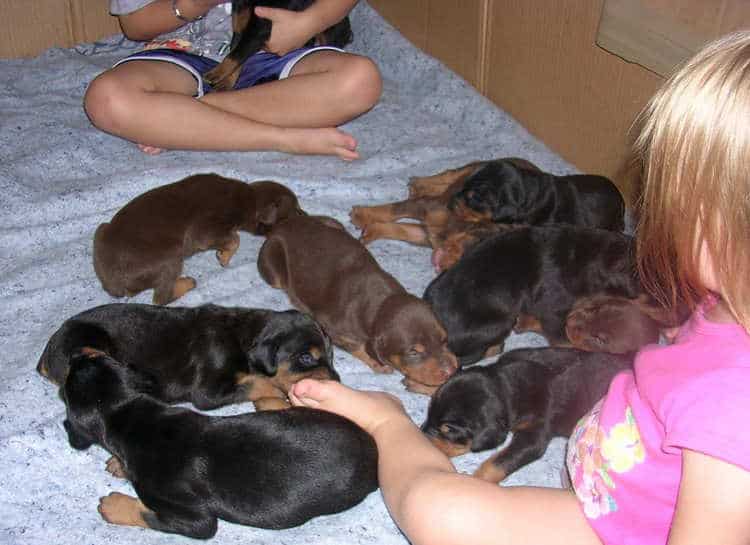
60,178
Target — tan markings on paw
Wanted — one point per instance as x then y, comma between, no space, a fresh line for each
490,472
120,509
183,285
226,252
115,468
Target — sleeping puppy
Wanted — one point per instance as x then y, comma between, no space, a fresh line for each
501,192
269,469
532,271
329,274
605,323
208,355
428,204
536,393
144,244
252,32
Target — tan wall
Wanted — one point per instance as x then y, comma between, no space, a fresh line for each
31,26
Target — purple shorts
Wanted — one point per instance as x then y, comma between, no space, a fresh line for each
259,68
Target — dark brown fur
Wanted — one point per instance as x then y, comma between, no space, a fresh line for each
145,243
329,274
536,393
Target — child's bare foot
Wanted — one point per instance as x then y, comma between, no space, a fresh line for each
325,141
368,409
149,150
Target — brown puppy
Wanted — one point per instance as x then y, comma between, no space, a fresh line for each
427,203
145,243
329,274
604,323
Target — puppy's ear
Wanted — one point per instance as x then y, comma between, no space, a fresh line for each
262,356
275,211
77,439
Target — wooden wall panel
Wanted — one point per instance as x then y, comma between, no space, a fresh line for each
91,20
30,27
450,30
545,69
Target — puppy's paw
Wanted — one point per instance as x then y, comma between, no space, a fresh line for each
114,468
117,508
490,472
371,232
360,216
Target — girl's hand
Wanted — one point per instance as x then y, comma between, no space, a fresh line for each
291,29
370,410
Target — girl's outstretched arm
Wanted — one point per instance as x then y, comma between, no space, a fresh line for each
428,500
713,504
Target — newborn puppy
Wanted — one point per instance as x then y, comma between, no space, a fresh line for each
428,204
252,32
329,274
268,469
502,192
538,272
144,244
209,355
605,323
536,393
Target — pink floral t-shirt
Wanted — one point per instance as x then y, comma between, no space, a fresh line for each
625,456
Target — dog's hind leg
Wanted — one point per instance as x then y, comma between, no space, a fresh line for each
170,286
435,185
408,232
416,209
527,445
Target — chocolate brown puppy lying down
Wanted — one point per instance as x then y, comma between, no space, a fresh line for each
208,355
605,323
536,393
529,271
331,275
274,469
145,243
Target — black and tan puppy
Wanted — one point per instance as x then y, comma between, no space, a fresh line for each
535,393
331,275
502,192
269,469
208,355
428,205
535,272
250,34
145,243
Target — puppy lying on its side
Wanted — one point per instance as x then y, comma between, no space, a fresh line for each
252,32
502,192
269,469
144,244
536,272
208,355
536,393
328,273
428,204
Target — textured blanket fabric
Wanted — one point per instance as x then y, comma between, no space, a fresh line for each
60,178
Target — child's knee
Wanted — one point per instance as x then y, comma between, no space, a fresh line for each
361,83
104,103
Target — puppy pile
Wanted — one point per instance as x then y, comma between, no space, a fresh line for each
516,248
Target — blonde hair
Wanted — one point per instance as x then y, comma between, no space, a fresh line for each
694,150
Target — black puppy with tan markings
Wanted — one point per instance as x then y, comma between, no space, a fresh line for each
145,243
535,393
273,469
208,355
330,274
